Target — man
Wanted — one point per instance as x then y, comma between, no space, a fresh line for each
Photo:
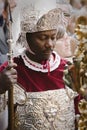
49,103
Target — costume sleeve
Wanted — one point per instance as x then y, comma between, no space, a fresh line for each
3,101
3,66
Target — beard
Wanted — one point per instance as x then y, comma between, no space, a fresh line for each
44,55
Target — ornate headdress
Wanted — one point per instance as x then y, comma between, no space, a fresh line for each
50,21
59,16
32,23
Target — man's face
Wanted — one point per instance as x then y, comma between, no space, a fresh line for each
42,43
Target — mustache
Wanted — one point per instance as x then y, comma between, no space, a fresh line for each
48,50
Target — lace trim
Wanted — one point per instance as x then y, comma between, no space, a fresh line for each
42,68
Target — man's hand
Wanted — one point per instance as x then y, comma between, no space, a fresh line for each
8,77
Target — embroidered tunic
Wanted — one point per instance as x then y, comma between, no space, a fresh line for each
49,103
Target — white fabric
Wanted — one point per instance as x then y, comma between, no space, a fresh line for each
38,67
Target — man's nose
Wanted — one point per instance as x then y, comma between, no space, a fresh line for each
49,43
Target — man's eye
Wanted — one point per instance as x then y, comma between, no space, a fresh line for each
53,38
42,38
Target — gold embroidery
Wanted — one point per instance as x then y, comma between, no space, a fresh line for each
49,110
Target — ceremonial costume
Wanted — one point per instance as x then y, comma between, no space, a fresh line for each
43,101
49,103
